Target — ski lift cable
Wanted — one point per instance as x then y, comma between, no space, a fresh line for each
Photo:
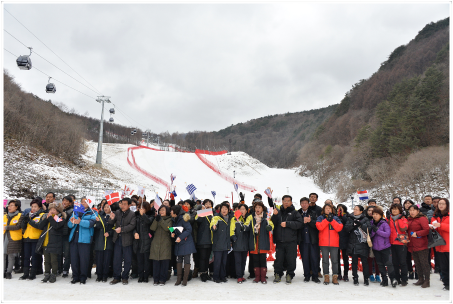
34,67
52,63
52,51
128,118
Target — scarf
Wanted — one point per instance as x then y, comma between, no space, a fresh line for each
10,215
395,217
356,216
258,218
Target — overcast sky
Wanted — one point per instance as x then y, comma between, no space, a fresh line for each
186,67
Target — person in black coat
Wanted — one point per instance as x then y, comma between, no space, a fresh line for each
308,240
184,244
204,242
287,221
103,243
342,213
142,234
64,260
221,243
240,241
358,247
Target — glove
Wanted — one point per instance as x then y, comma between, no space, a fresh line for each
375,228
242,196
330,217
234,238
158,217
269,228
357,223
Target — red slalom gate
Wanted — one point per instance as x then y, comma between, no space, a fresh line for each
270,258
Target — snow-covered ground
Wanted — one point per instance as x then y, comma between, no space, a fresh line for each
189,169
62,290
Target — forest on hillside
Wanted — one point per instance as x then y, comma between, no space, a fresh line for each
390,133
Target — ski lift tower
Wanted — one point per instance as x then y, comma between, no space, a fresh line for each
101,99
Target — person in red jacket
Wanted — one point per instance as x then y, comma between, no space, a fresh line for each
329,225
441,222
418,230
398,226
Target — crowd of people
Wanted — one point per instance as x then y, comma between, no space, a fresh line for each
135,239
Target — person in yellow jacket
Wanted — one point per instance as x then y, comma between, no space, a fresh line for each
30,239
12,235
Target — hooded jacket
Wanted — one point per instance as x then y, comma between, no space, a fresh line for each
204,234
258,242
142,227
418,224
221,235
293,221
186,245
51,238
444,230
355,246
381,237
161,244
85,227
328,231
239,237
101,227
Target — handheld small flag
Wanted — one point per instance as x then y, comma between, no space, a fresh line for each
363,195
237,214
90,201
128,190
205,212
78,207
57,219
268,192
270,212
172,229
213,194
191,188
112,198
236,187
174,193
157,202
141,191
193,197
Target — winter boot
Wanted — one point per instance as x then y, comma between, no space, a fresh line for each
52,278
8,276
186,274
385,281
46,278
257,275
372,280
411,275
366,282
416,275
263,271
203,276
345,278
356,281
425,283
394,283
195,273
26,273
335,279
420,281
326,279
277,278
179,272
32,275
378,279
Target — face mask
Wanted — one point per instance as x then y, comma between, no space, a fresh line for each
133,208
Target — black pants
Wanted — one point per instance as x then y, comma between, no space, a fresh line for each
285,252
444,266
143,264
51,262
259,260
230,266
103,258
203,258
384,259
80,254
220,259
160,270
196,259
64,259
408,262
345,262
134,264
310,254
240,257
120,253
29,252
399,254
251,266
355,263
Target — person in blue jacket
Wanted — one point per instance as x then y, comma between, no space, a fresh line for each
80,237
184,244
